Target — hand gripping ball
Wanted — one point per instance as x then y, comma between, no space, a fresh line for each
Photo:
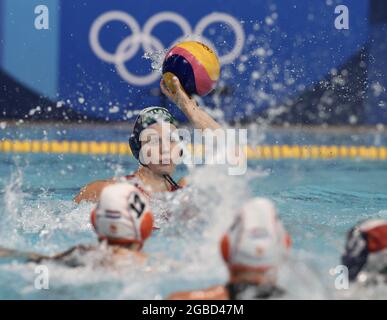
195,65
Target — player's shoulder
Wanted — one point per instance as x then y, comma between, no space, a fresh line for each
92,190
182,182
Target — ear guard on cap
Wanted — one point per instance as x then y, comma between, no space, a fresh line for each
146,226
225,248
123,215
134,146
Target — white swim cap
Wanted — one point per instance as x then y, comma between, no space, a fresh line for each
257,239
123,215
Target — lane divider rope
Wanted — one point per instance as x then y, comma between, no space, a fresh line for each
252,152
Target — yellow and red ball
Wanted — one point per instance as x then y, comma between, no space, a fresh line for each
195,65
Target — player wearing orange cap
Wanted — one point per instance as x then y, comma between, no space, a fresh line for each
253,249
122,220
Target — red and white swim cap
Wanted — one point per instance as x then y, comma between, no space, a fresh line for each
257,239
123,215
366,248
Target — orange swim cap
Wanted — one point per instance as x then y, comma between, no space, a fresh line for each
123,215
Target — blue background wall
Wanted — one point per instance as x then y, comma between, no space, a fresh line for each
289,48
1,31
376,104
30,55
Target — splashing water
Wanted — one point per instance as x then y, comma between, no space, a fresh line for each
156,58
184,253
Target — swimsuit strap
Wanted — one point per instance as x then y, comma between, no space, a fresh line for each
173,183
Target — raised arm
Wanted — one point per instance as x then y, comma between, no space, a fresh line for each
199,118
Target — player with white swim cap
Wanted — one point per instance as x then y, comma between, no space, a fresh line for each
122,220
253,248
365,252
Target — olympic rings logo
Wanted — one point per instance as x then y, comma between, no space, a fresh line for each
129,46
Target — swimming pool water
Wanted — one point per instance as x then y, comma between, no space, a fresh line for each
318,200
